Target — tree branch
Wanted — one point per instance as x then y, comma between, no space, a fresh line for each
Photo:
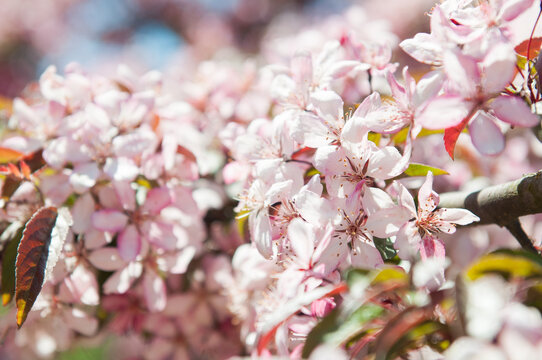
502,204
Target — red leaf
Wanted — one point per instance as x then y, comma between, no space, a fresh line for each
452,134
306,151
521,49
186,153
9,155
14,170
25,169
31,262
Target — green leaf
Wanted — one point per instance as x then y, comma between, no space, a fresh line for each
8,267
422,170
317,334
534,296
521,61
388,341
508,263
354,324
419,334
390,274
311,172
86,353
385,248
374,137
354,276
400,137
336,328
242,222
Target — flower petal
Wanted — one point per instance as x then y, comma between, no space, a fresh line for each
107,259
431,246
123,279
157,199
109,220
457,216
302,241
427,198
514,110
154,289
444,112
486,136
260,229
129,243
499,69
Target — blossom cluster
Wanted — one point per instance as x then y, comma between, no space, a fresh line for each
214,212
113,155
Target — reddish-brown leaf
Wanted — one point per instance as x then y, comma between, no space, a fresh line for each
34,160
452,134
29,164
31,261
11,183
522,48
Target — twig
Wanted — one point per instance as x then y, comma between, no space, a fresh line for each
515,229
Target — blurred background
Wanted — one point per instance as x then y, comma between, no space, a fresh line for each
159,34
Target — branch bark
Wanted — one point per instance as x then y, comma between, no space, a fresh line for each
502,204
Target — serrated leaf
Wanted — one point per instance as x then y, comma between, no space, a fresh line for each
422,170
31,262
8,267
508,264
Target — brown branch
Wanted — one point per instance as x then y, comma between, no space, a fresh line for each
502,204
515,229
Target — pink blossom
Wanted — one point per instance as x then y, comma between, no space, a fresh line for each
420,233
